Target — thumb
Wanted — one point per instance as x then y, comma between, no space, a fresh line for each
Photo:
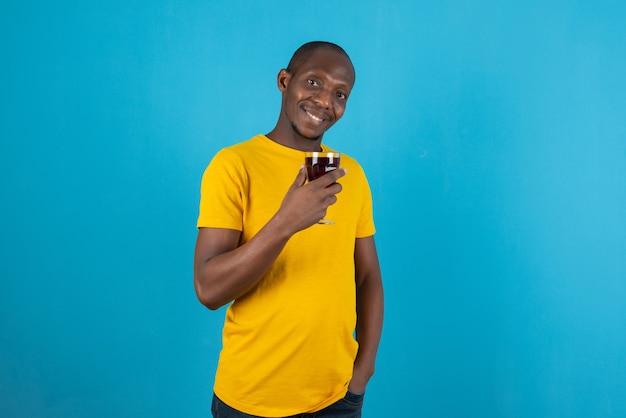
300,178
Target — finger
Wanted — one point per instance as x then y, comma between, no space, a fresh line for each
332,176
330,200
333,189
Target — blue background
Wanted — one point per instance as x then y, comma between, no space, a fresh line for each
494,137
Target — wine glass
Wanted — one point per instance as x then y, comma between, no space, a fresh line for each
317,164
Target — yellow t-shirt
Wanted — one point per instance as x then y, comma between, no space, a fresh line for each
288,344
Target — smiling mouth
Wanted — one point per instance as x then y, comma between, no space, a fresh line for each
314,117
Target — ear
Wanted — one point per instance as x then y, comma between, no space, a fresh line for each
283,79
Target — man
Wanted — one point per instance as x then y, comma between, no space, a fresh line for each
299,290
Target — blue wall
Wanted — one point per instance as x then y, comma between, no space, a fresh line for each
494,136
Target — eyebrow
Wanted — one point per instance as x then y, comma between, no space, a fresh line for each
314,72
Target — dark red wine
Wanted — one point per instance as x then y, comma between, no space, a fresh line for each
318,165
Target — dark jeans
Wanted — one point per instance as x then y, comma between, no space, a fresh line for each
348,407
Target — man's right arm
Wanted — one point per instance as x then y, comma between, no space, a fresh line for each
225,270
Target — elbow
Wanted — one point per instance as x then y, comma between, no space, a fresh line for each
214,306
209,302
207,297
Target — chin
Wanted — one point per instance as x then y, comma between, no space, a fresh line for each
309,136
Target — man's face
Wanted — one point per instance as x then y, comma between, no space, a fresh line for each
315,96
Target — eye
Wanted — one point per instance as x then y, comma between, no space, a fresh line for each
312,82
342,95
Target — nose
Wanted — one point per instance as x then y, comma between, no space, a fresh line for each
322,98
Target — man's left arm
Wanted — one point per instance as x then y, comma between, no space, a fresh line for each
370,307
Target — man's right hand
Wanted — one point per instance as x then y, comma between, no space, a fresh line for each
307,203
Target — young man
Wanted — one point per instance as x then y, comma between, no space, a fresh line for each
299,290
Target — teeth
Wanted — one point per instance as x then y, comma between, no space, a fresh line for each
314,117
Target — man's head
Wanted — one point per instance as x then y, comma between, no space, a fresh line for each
303,53
315,86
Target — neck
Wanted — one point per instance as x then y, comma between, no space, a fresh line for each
294,140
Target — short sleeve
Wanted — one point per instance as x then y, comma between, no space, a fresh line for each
365,225
222,192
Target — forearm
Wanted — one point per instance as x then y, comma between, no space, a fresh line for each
221,278
370,309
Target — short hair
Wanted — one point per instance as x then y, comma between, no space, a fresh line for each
303,53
